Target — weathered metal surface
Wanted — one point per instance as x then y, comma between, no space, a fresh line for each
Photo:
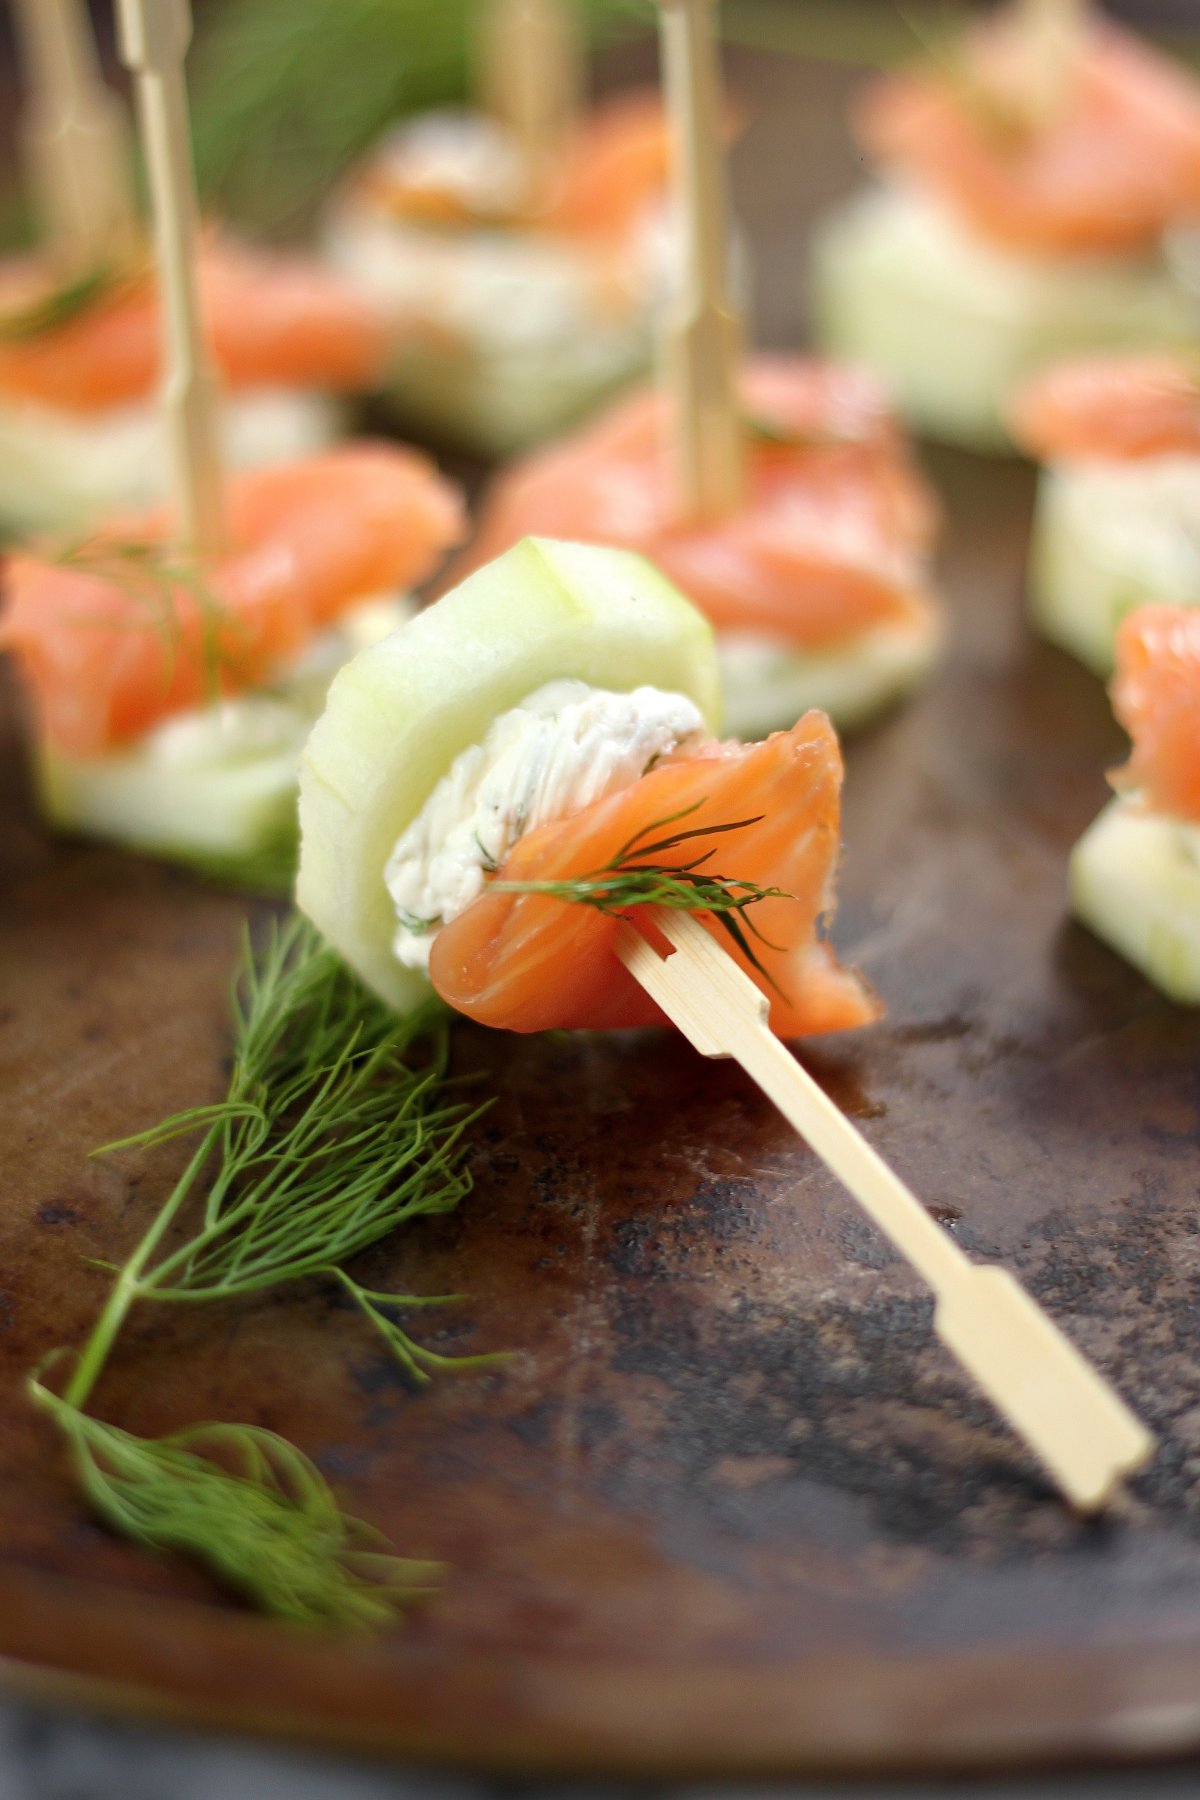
728,1507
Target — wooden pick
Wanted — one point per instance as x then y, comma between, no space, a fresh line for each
531,76
75,139
1053,30
154,36
1078,1428
703,342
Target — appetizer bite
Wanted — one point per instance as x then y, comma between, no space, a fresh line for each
81,432
1135,873
1117,521
1030,177
520,248
172,691
818,582
489,790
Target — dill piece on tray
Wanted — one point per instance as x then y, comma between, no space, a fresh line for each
339,1123
251,1506
633,878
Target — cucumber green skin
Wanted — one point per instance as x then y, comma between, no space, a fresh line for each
235,820
952,358
397,715
1136,884
1082,583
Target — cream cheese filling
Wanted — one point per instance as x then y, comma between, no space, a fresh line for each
564,747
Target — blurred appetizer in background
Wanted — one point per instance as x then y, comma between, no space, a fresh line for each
1032,177
778,494
492,789
1117,521
1135,873
80,326
520,248
818,581
172,691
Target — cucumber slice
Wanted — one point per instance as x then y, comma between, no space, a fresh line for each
215,788
953,325
768,685
61,470
399,714
1107,537
1135,880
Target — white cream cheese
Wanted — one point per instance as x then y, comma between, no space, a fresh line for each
562,748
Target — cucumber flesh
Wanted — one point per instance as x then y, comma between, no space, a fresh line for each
399,714
1108,537
953,325
61,470
768,684
215,787
1135,881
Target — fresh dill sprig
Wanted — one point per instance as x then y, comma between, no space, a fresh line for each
58,305
633,878
158,579
251,1506
339,1123
286,96
763,430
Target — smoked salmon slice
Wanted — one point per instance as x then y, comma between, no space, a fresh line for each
532,962
1115,163
1114,407
826,544
119,633
1156,697
273,321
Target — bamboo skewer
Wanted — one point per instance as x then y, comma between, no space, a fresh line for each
703,343
75,139
531,77
154,36
1078,1428
1053,31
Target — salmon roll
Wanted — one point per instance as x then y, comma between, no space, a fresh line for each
1135,873
1035,203
171,695
549,718
1117,518
81,430
819,585
516,306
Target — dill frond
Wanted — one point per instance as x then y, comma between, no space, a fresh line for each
249,1506
339,1123
59,305
633,878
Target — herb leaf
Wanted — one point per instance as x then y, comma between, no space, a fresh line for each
250,1506
51,310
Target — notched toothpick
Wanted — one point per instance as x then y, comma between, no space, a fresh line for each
1076,1425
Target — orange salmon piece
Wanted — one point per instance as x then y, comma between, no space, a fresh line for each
273,321
109,648
835,519
530,962
1156,697
1116,162
1110,407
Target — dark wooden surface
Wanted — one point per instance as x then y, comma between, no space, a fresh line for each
729,1509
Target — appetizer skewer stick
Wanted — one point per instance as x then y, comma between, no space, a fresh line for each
704,337
75,138
530,77
154,37
1076,1425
